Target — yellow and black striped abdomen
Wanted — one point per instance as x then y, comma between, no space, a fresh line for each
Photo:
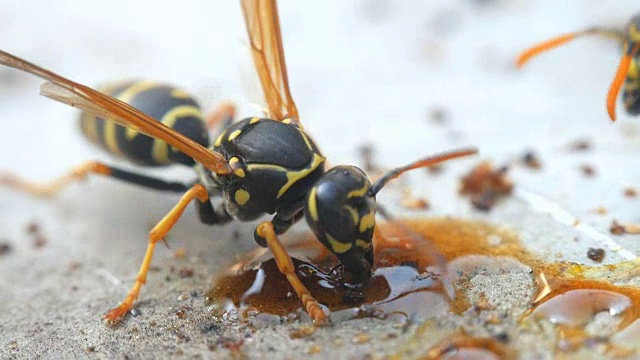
631,89
165,103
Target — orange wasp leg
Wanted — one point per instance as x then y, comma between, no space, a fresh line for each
285,265
619,78
52,188
156,234
80,173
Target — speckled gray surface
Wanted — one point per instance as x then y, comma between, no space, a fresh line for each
374,70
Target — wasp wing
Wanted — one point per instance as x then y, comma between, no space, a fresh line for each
263,27
77,95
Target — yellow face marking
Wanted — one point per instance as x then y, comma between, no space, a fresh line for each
218,141
363,244
354,214
359,192
337,246
242,196
312,204
180,94
368,221
292,176
234,135
254,120
160,150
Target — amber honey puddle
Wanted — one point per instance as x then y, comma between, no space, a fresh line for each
408,272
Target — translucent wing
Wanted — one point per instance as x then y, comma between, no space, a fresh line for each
95,102
263,26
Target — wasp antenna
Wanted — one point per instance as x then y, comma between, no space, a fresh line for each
529,53
428,161
619,78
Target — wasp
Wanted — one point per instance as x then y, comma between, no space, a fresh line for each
256,166
628,72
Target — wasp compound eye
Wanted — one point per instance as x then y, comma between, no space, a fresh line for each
340,214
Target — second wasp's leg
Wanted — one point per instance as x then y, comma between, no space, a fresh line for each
285,265
156,234
80,173
222,116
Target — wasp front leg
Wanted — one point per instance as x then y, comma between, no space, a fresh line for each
157,233
266,231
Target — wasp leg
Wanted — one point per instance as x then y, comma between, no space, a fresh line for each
285,265
80,173
222,116
156,234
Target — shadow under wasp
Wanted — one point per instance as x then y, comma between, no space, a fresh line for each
257,165
628,72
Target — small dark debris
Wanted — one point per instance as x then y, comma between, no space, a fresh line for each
630,192
33,227
596,254
181,314
587,170
194,294
439,115
503,337
531,160
485,186
182,337
211,327
185,272
617,228
39,241
5,247
580,145
91,349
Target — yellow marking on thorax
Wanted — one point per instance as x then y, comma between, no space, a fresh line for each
337,246
254,120
218,141
312,204
363,244
180,94
242,196
292,176
160,150
234,134
368,221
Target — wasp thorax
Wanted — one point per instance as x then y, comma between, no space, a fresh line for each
341,213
